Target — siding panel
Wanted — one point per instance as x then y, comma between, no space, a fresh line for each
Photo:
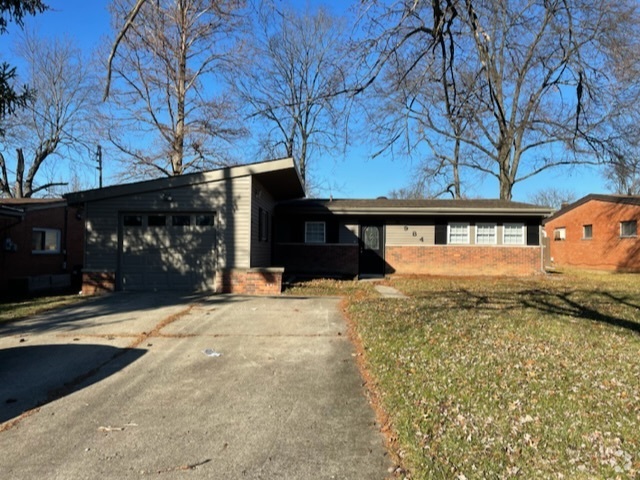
229,199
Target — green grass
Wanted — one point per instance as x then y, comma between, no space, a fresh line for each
16,310
504,378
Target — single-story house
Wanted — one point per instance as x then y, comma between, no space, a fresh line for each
386,236
240,229
41,249
597,231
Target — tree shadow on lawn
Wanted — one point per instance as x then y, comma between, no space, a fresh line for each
33,376
585,304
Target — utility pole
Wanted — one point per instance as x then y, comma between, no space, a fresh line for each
99,160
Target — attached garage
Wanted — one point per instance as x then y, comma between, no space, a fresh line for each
194,232
167,250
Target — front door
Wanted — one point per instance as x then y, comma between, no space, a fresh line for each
372,249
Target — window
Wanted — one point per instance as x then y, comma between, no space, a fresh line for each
629,228
157,220
513,234
204,220
314,232
45,240
587,232
181,220
263,225
486,233
560,234
458,233
132,220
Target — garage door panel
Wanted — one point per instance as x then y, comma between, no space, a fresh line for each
167,257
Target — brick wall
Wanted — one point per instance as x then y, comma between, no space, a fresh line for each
98,282
328,259
464,260
21,262
605,250
254,281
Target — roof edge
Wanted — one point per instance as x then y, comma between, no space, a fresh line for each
189,179
603,197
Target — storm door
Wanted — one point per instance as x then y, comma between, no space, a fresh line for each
372,249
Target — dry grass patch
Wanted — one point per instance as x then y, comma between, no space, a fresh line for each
509,378
15,310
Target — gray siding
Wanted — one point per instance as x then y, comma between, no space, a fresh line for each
260,250
410,234
229,199
348,233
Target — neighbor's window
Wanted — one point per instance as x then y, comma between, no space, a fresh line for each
486,233
513,234
587,232
45,240
314,232
263,225
560,233
458,232
629,229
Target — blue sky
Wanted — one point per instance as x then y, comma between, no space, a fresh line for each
354,175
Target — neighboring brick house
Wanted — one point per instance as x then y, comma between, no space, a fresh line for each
351,237
597,231
41,244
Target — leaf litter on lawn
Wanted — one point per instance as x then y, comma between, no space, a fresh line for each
504,378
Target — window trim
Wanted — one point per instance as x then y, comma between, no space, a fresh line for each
58,234
584,231
306,232
458,224
523,236
559,238
494,228
634,235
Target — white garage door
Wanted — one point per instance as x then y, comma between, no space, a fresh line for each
167,251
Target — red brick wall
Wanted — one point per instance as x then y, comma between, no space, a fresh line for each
98,282
256,281
22,262
331,259
606,250
464,260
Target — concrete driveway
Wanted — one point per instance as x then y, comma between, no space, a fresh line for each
149,385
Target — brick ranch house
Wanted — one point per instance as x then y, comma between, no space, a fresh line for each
598,232
41,245
240,229
433,237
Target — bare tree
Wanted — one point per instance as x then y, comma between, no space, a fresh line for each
291,72
521,86
553,197
165,65
54,123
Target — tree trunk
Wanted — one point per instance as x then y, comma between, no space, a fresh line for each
18,193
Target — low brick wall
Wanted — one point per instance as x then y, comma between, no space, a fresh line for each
326,259
98,282
464,260
253,281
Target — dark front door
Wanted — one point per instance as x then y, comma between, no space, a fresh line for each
371,249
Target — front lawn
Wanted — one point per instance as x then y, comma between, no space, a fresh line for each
17,309
504,378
